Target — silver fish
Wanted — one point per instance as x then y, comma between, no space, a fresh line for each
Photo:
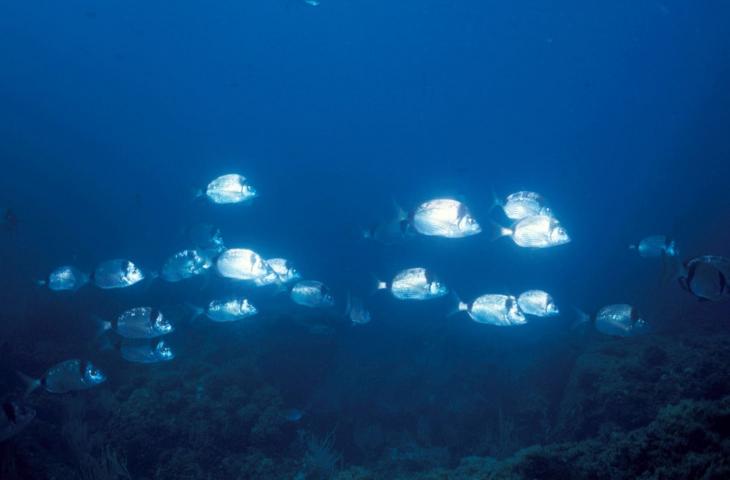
14,417
620,320
415,284
146,352
117,273
444,217
540,231
231,188
185,264
139,322
283,270
229,310
282,273
524,204
68,376
356,311
537,303
656,246
706,277
494,309
65,277
242,264
311,293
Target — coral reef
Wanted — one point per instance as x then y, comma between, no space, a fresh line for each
651,407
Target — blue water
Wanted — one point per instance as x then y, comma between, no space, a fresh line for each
113,114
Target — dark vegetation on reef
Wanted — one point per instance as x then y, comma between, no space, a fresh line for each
592,407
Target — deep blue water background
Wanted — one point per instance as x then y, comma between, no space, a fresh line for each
111,115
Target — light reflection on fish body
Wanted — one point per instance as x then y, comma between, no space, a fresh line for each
185,264
229,189
620,320
242,264
495,309
68,376
656,246
312,293
537,303
540,231
140,322
524,204
230,310
66,278
415,284
117,273
146,352
444,217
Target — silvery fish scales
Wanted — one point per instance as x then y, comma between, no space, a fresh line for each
415,284
231,188
524,204
311,293
117,273
230,310
619,320
141,322
242,264
495,309
67,278
537,303
444,217
540,231
656,246
283,269
146,352
185,264
70,376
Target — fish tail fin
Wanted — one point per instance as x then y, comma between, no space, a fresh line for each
632,247
459,305
196,311
401,214
41,283
377,284
196,193
30,383
498,231
496,202
582,318
281,287
102,326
